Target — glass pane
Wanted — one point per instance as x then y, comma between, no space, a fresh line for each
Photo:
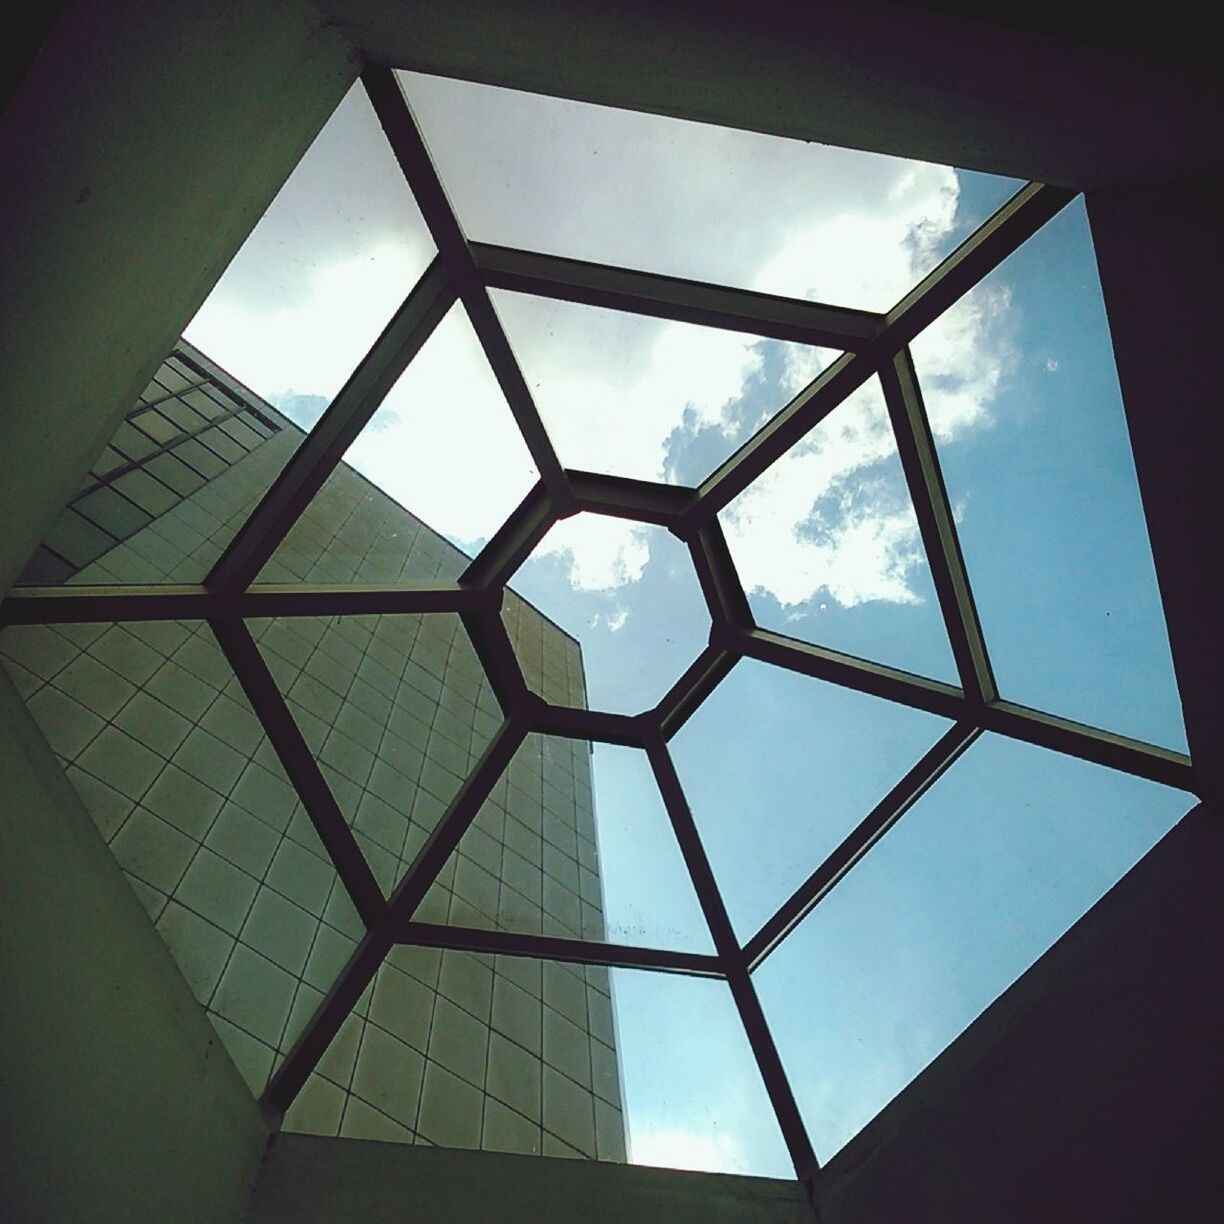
461,1050
397,711
828,548
417,451
691,199
778,768
328,264
1038,460
958,899
177,480
628,595
545,855
693,1095
647,398
155,734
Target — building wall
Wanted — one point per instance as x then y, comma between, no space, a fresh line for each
155,734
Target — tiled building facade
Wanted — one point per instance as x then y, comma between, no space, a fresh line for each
154,731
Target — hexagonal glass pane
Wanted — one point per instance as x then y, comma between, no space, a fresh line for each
828,548
648,398
1000,857
694,200
778,768
1037,457
628,594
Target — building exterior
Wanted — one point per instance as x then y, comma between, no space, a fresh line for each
449,1048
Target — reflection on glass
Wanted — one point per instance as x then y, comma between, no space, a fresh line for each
693,1095
985,872
327,265
778,768
691,199
632,396
628,594
1036,456
828,548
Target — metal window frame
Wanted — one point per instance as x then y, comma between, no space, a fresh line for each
464,272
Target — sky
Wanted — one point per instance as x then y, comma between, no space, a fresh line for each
1013,844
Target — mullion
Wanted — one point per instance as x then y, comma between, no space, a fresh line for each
859,840
632,291
559,948
301,768
325,445
387,97
734,964
937,525
1030,208
395,915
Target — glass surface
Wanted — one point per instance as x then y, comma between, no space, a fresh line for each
573,845
444,442
396,710
156,736
828,548
328,264
1038,462
999,858
648,398
691,199
628,594
693,1095
778,768
172,487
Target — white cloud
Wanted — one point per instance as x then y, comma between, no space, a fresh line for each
682,1149
775,215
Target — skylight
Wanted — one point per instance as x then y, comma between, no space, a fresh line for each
808,584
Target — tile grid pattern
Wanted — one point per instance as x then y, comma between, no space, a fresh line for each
154,731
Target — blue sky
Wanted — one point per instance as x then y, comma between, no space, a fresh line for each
1013,844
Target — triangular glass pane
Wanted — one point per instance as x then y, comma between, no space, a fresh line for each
627,595
419,450
999,858
691,199
1037,460
396,710
321,274
778,768
648,398
182,472
574,844
828,548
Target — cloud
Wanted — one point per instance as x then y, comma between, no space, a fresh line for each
618,393
682,1149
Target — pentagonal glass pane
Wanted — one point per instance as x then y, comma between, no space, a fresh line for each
321,274
632,396
828,548
573,842
627,594
778,768
691,199
1036,456
1004,853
